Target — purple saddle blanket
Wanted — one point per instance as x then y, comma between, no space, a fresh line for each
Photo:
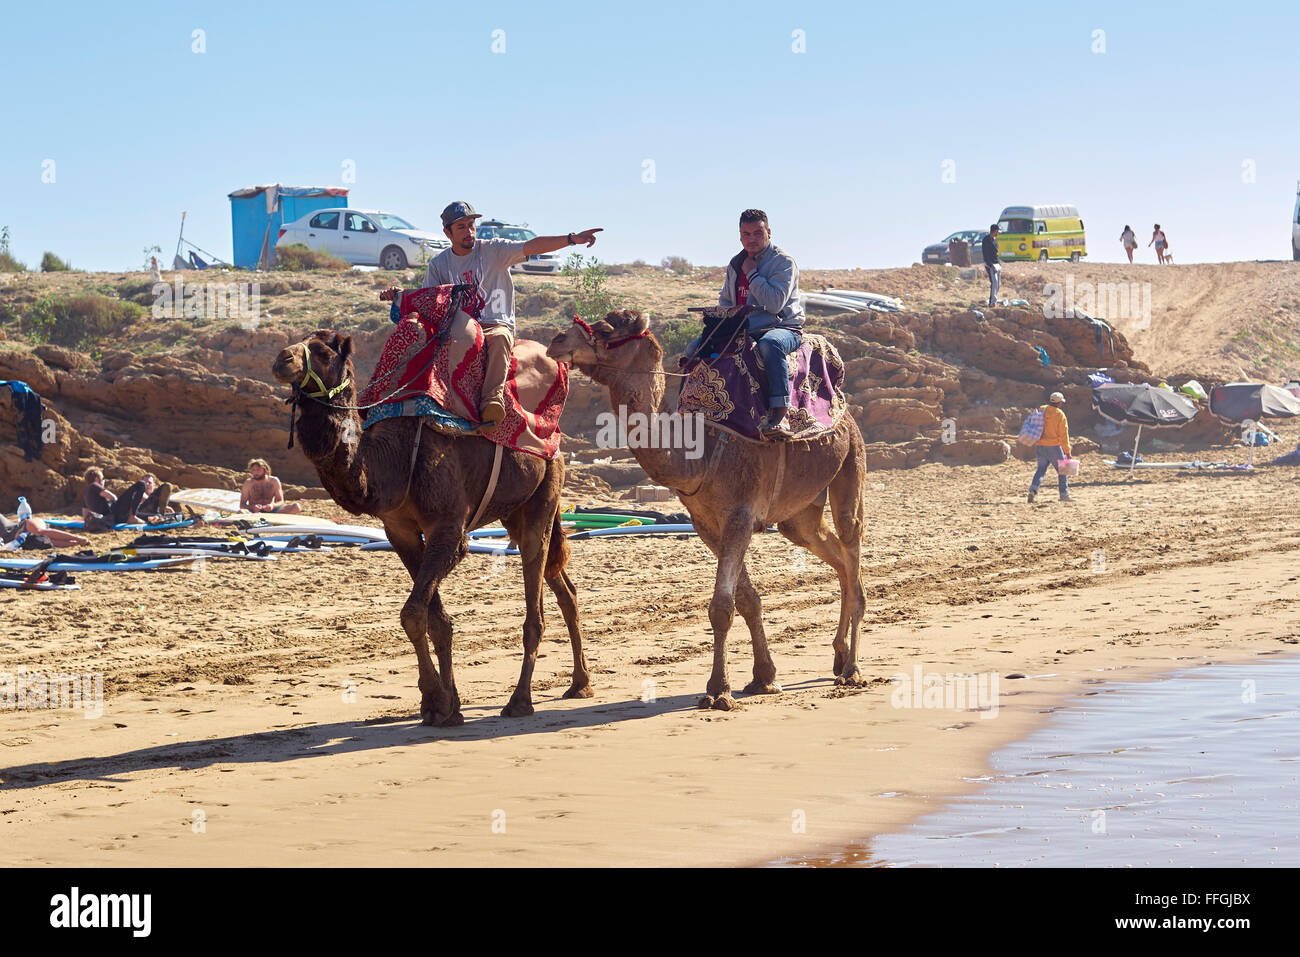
731,390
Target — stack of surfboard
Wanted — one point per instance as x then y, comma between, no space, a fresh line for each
852,300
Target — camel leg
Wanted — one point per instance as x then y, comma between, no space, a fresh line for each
410,549
442,552
440,634
849,512
750,606
731,547
534,542
567,598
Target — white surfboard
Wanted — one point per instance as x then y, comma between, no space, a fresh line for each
222,499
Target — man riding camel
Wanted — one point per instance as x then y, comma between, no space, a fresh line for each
765,277
485,265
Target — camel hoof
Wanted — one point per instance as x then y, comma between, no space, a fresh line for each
453,720
579,692
706,702
852,678
725,702
517,709
763,687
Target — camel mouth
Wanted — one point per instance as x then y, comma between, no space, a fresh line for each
285,368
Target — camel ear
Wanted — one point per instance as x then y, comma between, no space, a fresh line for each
637,323
344,349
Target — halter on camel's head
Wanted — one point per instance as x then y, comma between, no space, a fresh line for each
341,347
616,329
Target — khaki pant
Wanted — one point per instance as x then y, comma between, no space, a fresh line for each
497,343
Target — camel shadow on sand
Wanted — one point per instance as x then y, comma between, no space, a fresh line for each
482,722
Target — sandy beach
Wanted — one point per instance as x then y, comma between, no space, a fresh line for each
266,713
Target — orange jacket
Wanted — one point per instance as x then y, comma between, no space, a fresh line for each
1056,428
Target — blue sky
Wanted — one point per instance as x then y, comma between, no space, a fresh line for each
843,144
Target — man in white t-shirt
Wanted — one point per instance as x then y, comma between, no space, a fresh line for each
485,264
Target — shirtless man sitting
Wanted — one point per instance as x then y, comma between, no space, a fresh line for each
262,492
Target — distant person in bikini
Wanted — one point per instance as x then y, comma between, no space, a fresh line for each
1161,243
1129,239
262,491
142,501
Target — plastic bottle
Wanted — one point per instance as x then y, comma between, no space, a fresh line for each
24,510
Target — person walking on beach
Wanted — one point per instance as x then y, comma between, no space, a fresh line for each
992,264
1052,447
1129,239
1161,243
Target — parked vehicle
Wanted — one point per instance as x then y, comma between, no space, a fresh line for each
363,237
938,252
1042,233
542,263
1295,227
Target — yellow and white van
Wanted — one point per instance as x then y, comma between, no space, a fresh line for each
1041,232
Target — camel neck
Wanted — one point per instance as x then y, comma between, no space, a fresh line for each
641,391
331,440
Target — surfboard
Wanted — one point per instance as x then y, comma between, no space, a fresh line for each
39,586
222,499
147,565
475,548
273,518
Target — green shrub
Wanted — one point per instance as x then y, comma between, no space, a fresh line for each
297,258
77,321
7,261
52,263
592,301
675,334
678,264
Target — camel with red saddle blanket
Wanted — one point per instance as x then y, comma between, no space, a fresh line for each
737,487
430,483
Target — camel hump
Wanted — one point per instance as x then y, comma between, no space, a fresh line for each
533,367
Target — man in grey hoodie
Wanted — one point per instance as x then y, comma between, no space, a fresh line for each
764,277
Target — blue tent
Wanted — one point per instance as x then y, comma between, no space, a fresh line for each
258,212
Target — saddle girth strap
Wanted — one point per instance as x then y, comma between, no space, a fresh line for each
491,486
776,485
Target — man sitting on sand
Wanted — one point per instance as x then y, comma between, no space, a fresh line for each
142,501
262,491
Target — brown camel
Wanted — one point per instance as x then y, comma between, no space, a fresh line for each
427,508
732,491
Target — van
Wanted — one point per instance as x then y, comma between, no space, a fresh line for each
1041,232
1295,227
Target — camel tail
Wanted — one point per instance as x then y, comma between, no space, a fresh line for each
557,557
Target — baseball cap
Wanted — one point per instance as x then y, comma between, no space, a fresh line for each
1056,397
457,211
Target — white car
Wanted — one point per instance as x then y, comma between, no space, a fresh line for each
363,237
541,263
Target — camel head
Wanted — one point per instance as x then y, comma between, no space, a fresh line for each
320,363
620,341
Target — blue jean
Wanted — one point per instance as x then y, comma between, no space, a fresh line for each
995,280
774,345
1047,455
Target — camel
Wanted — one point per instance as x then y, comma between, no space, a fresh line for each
427,505
737,487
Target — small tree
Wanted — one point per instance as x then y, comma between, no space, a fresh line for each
587,279
7,261
52,263
149,253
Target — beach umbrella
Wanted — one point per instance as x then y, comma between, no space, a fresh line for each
1143,405
1235,402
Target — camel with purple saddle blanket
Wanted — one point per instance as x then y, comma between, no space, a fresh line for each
729,388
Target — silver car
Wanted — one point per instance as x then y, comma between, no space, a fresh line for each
549,263
363,237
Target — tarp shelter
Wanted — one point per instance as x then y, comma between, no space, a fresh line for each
258,212
1143,405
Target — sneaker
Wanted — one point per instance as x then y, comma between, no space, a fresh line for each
492,413
1032,496
1067,497
773,427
